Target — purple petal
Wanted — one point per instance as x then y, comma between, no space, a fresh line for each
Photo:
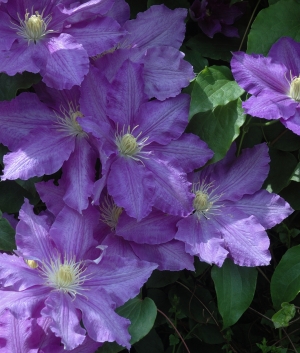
269,209
270,105
8,34
163,121
169,256
171,188
287,52
20,116
65,319
158,26
131,186
44,153
245,239
165,72
244,176
293,122
79,174
188,151
97,35
52,195
73,232
100,319
67,62
256,73
25,304
120,11
202,239
32,237
156,228
121,277
117,246
15,273
126,94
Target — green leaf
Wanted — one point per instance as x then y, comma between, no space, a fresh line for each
220,127
285,282
276,21
209,334
284,139
7,235
110,347
296,174
11,196
142,314
284,315
214,86
282,167
150,344
9,85
291,194
194,58
235,287
217,48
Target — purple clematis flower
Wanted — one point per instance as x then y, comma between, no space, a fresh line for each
34,336
165,72
54,40
145,155
231,213
216,16
273,82
60,274
44,137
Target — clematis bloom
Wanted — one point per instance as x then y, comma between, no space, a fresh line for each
273,82
231,213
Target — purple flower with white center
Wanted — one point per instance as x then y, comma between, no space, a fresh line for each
38,37
231,213
153,39
273,82
59,274
34,336
216,16
44,137
145,155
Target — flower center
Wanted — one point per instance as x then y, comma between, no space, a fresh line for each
32,263
66,276
295,89
205,201
34,27
110,212
67,122
128,145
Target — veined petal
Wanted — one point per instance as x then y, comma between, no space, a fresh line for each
43,153
255,73
126,94
169,256
120,11
20,116
270,105
16,274
78,175
268,209
244,176
293,122
100,319
73,232
158,26
202,239
8,35
156,228
121,278
52,195
163,121
65,319
287,52
165,72
245,239
67,62
98,35
32,237
188,151
131,186
172,193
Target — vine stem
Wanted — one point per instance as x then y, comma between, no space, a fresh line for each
289,340
179,335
